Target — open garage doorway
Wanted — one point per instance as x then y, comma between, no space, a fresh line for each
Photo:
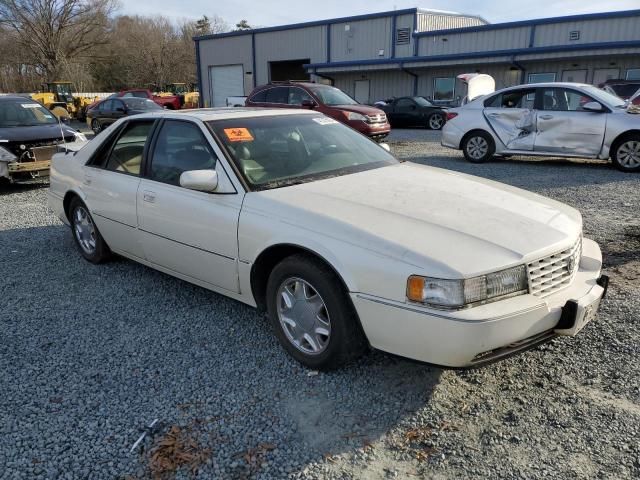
288,70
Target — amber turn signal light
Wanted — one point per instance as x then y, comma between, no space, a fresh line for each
415,288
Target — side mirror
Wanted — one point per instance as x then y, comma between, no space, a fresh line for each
593,107
385,146
199,180
309,104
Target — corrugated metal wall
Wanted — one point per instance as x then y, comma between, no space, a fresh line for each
294,44
482,41
405,21
361,40
428,21
591,31
382,84
224,51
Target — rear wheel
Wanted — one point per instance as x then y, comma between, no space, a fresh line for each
312,315
96,126
626,154
478,147
85,233
436,121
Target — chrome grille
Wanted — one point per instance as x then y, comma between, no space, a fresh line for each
555,272
379,118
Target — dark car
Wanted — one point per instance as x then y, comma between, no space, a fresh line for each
106,112
29,136
331,101
414,112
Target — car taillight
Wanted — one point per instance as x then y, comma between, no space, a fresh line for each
451,115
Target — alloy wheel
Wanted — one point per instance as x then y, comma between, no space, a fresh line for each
303,316
477,147
96,127
84,230
628,154
435,122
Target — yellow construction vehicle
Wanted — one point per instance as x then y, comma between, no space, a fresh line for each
187,92
58,97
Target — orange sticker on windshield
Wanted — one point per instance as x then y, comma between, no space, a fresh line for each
238,135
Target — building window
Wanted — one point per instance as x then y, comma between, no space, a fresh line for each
403,36
542,77
633,74
444,88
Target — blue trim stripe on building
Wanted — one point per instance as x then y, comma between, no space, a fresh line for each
316,23
534,22
253,58
328,43
493,53
394,20
199,73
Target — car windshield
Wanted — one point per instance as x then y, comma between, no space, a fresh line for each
141,104
604,97
422,102
24,113
332,96
277,151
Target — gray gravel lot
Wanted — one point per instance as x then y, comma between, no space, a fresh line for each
90,354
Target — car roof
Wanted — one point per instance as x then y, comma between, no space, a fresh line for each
545,85
21,98
226,113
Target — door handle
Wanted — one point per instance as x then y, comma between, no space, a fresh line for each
148,196
546,117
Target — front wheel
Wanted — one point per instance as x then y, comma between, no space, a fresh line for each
436,121
312,315
85,233
626,154
478,147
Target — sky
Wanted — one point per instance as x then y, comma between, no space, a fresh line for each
279,12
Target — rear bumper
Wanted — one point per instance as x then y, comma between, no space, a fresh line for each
482,334
451,136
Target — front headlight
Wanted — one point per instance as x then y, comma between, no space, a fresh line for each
355,116
444,293
6,155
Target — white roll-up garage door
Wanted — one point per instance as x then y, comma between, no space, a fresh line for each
226,81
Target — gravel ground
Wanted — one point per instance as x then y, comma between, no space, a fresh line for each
90,354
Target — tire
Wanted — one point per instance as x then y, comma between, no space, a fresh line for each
478,147
625,153
96,126
323,306
85,233
436,121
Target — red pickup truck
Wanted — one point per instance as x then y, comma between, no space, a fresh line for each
172,102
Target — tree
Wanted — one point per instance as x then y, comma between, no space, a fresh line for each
243,25
51,32
207,26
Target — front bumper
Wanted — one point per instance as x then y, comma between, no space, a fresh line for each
373,130
482,334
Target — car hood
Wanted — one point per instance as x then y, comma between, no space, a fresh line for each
446,223
33,134
362,109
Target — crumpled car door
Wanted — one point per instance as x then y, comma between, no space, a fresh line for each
515,127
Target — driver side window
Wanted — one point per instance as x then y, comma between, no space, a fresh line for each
405,105
563,100
180,147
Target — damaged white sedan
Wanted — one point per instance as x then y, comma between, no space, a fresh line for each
342,245
548,119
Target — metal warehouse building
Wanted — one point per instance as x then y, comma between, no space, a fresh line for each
419,52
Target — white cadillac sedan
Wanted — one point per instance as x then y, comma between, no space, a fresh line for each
343,246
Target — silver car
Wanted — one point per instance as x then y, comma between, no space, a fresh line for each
558,119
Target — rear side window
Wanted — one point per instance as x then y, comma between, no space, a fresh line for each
297,96
278,95
127,151
513,99
259,97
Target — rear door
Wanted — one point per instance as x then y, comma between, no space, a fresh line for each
189,232
512,117
111,182
564,127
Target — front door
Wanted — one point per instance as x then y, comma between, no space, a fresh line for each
404,111
111,183
189,232
512,117
563,127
